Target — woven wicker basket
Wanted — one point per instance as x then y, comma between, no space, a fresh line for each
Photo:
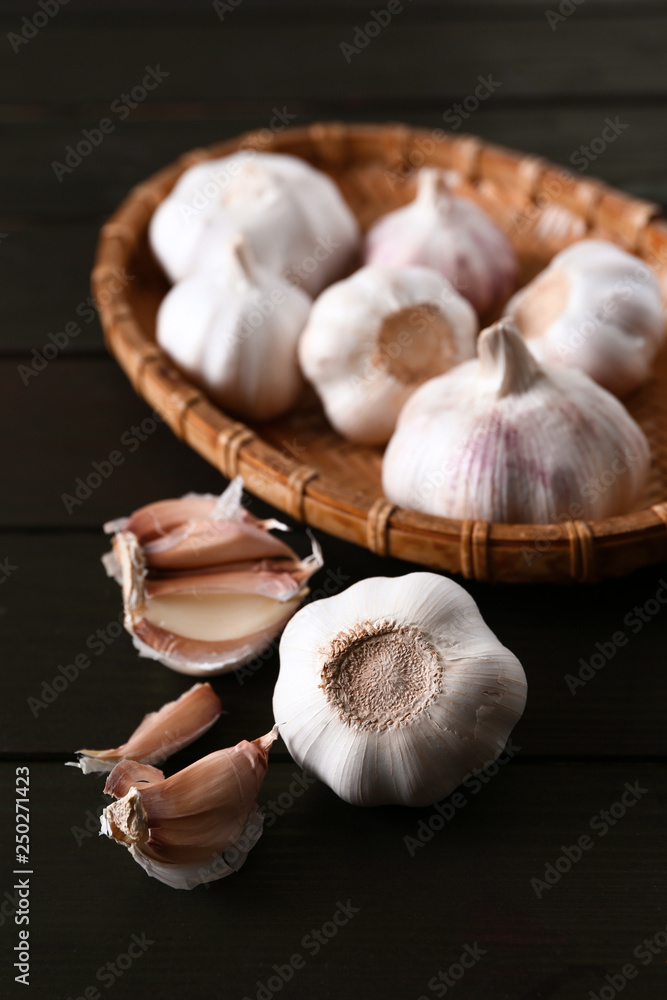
298,463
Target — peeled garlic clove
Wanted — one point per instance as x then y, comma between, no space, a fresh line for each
597,308
213,628
197,825
451,234
292,216
209,588
502,439
373,338
162,733
234,332
395,690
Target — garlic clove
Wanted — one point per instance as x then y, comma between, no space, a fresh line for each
503,439
197,825
162,733
395,689
211,630
128,773
204,595
597,308
373,338
451,234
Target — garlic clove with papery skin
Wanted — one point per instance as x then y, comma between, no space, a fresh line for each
162,733
451,234
374,337
292,216
597,308
234,332
195,826
208,589
395,690
503,439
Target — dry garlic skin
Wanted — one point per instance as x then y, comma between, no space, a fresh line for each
502,439
597,308
292,216
451,234
372,338
235,333
394,690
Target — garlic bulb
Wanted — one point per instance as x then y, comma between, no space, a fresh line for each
160,734
235,333
292,216
597,308
205,586
374,337
451,234
395,689
502,439
195,826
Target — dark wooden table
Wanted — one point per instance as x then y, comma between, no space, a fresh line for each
463,909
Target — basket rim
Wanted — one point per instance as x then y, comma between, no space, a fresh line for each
306,494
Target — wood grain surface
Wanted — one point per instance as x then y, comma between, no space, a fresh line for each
474,883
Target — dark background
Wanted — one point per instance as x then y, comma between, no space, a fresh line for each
471,883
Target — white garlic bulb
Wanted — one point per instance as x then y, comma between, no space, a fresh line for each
293,217
235,333
395,690
451,234
371,339
502,439
597,308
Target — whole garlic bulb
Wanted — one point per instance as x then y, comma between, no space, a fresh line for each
235,333
293,217
452,235
395,690
597,308
371,339
502,439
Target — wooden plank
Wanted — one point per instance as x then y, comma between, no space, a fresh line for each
467,891
634,160
58,604
408,58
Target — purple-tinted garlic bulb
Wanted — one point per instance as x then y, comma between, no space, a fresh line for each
451,234
502,439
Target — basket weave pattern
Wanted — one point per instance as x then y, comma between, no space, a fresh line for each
298,463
